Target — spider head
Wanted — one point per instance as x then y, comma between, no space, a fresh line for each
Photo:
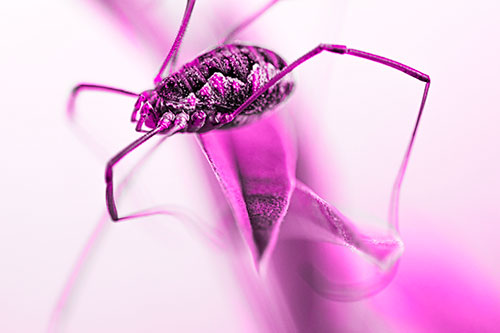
145,111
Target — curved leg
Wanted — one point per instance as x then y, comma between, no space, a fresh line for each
247,22
179,123
90,86
340,49
178,39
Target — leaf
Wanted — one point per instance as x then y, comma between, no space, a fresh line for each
255,166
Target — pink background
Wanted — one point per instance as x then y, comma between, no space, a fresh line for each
161,274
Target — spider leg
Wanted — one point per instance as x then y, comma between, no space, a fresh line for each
247,22
339,49
168,125
70,109
177,42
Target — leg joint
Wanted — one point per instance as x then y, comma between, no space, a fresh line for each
340,49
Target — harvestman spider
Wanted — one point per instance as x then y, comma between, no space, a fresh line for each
226,87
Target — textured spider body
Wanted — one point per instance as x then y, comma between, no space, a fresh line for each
209,88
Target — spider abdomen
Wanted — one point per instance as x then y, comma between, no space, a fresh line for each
219,81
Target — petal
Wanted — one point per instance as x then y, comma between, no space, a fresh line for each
255,166
312,218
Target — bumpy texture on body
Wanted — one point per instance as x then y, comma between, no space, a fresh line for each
219,81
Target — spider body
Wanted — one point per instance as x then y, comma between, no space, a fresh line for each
213,85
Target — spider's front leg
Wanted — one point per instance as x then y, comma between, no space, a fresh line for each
168,125
338,49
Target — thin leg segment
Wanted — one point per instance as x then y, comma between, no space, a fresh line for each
340,49
391,63
177,42
70,110
247,22
110,200
165,123
394,203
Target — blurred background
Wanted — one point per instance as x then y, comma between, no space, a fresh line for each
353,116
